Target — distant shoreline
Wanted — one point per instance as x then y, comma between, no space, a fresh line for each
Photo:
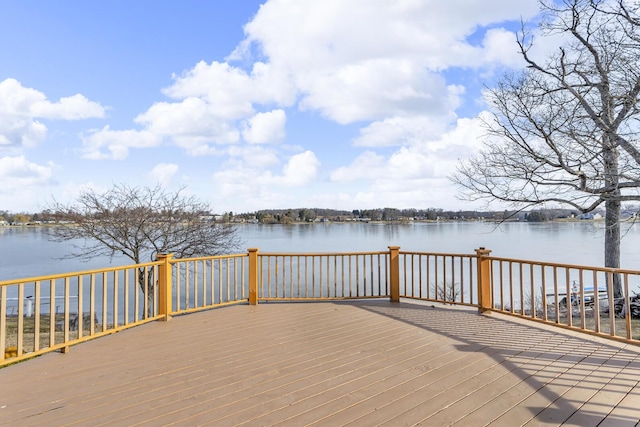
377,222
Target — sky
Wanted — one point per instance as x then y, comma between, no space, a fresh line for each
248,105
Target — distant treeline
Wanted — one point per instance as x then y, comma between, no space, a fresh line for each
290,215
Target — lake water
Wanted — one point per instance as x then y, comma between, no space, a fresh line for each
27,252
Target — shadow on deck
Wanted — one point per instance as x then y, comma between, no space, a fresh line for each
330,363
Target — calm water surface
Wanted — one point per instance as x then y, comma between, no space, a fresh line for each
26,252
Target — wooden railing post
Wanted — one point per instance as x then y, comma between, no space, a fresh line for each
394,273
253,276
484,280
165,286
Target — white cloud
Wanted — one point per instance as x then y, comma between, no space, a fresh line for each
17,173
255,188
18,100
225,90
211,102
20,107
230,91
74,107
301,169
241,188
367,165
259,157
359,61
428,158
19,131
164,172
116,143
416,193
402,130
191,123
266,127
371,59
375,89
499,47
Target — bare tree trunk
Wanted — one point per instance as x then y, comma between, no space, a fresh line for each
147,291
612,212
151,300
612,243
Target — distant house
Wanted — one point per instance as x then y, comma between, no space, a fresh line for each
3,223
588,216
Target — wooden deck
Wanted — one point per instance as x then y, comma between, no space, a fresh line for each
346,363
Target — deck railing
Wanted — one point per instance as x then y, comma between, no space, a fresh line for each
293,277
439,277
572,296
49,313
205,282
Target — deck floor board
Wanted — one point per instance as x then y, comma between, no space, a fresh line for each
330,363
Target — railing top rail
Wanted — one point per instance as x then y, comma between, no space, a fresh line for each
447,254
75,273
562,265
321,253
206,258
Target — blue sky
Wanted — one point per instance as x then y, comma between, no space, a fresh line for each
346,104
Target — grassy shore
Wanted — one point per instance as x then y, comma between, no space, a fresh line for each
29,329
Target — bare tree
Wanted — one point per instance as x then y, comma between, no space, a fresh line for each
141,223
446,292
565,130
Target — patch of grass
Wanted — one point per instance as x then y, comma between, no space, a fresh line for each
620,324
28,331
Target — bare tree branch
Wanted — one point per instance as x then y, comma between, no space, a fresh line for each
566,129
140,223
